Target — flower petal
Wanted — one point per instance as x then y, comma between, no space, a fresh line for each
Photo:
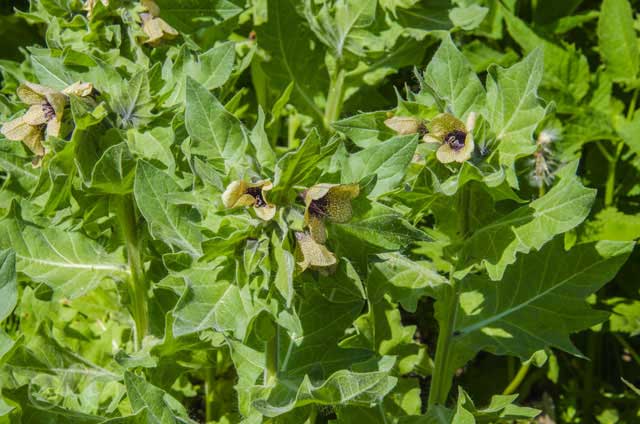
403,125
316,227
266,213
35,115
310,254
80,89
53,127
316,192
32,94
232,194
339,202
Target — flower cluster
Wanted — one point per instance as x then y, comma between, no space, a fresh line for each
322,202
455,139
44,116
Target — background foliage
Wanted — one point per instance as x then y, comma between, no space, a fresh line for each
501,288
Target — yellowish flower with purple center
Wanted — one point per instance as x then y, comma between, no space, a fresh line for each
310,254
328,201
244,194
455,138
44,116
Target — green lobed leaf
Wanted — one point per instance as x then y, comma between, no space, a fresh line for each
529,227
538,303
388,161
190,15
69,262
167,221
161,407
450,76
513,108
215,133
287,39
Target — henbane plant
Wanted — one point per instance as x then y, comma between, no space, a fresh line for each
305,212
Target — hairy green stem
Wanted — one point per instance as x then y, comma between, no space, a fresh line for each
440,381
442,375
138,286
334,98
517,380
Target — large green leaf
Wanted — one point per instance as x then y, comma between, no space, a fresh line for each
300,167
190,15
617,41
311,368
388,161
529,227
212,302
334,24
450,76
538,303
566,72
168,222
69,262
215,133
374,228
405,280
114,171
161,407
292,58
513,108
211,69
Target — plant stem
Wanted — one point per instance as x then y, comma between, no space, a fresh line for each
334,97
517,380
138,287
440,382
541,189
611,176
442,375
209,393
